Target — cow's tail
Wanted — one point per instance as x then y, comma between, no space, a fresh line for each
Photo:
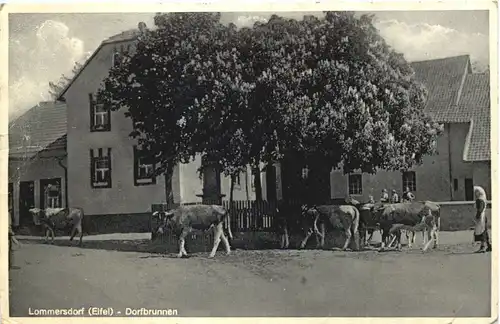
228,224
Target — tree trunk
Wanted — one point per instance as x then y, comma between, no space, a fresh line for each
231,200
169,194
246,185
257,184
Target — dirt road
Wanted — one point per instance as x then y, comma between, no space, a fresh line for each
257,283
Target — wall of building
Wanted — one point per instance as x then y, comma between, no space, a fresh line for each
432,178
124,197
482,176
34,170
460,170
191,184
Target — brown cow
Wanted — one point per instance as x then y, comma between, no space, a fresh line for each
59,218
184,219
345,216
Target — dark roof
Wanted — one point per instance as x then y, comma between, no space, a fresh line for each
43,127
474,104
443,79
124,36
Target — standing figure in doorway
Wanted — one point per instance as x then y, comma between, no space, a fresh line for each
407,195
385,196
481,222
395,197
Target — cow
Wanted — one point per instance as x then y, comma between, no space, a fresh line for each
184,219
409,215
60,218
344,216
427,225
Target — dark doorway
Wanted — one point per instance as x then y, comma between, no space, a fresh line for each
211,184
469,189
26,202
50,193
271,183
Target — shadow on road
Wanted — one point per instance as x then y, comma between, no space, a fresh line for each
194,244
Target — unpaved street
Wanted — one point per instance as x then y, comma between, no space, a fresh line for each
258,283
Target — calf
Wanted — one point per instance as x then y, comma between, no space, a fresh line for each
409,214
346,216
184,219
428,225
60,218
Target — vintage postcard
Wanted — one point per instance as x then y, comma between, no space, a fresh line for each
232,161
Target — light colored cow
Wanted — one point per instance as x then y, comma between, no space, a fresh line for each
344,216
185,219
59,218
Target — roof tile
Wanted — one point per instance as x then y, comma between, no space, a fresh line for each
475,105
443,78
43,127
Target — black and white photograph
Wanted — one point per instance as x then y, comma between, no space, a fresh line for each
325,162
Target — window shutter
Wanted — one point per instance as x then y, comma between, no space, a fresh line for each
92,111
109,173
92,168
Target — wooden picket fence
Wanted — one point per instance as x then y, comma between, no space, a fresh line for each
246,216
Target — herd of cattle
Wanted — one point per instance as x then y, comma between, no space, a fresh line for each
355,220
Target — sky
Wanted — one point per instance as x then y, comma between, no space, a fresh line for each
42,47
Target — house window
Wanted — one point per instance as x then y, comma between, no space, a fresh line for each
410,181
100,168
100,116
355,184
455,184
144,168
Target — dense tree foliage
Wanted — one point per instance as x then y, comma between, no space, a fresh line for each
329,90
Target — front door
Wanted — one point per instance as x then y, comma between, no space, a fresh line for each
469,189
50,193
26,202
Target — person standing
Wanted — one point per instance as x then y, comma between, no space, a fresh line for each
407,195
385,196
395,197
481,222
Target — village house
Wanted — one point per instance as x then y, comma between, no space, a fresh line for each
460,100
37,161
74,152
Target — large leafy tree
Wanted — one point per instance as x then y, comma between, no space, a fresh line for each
345,97
328,91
